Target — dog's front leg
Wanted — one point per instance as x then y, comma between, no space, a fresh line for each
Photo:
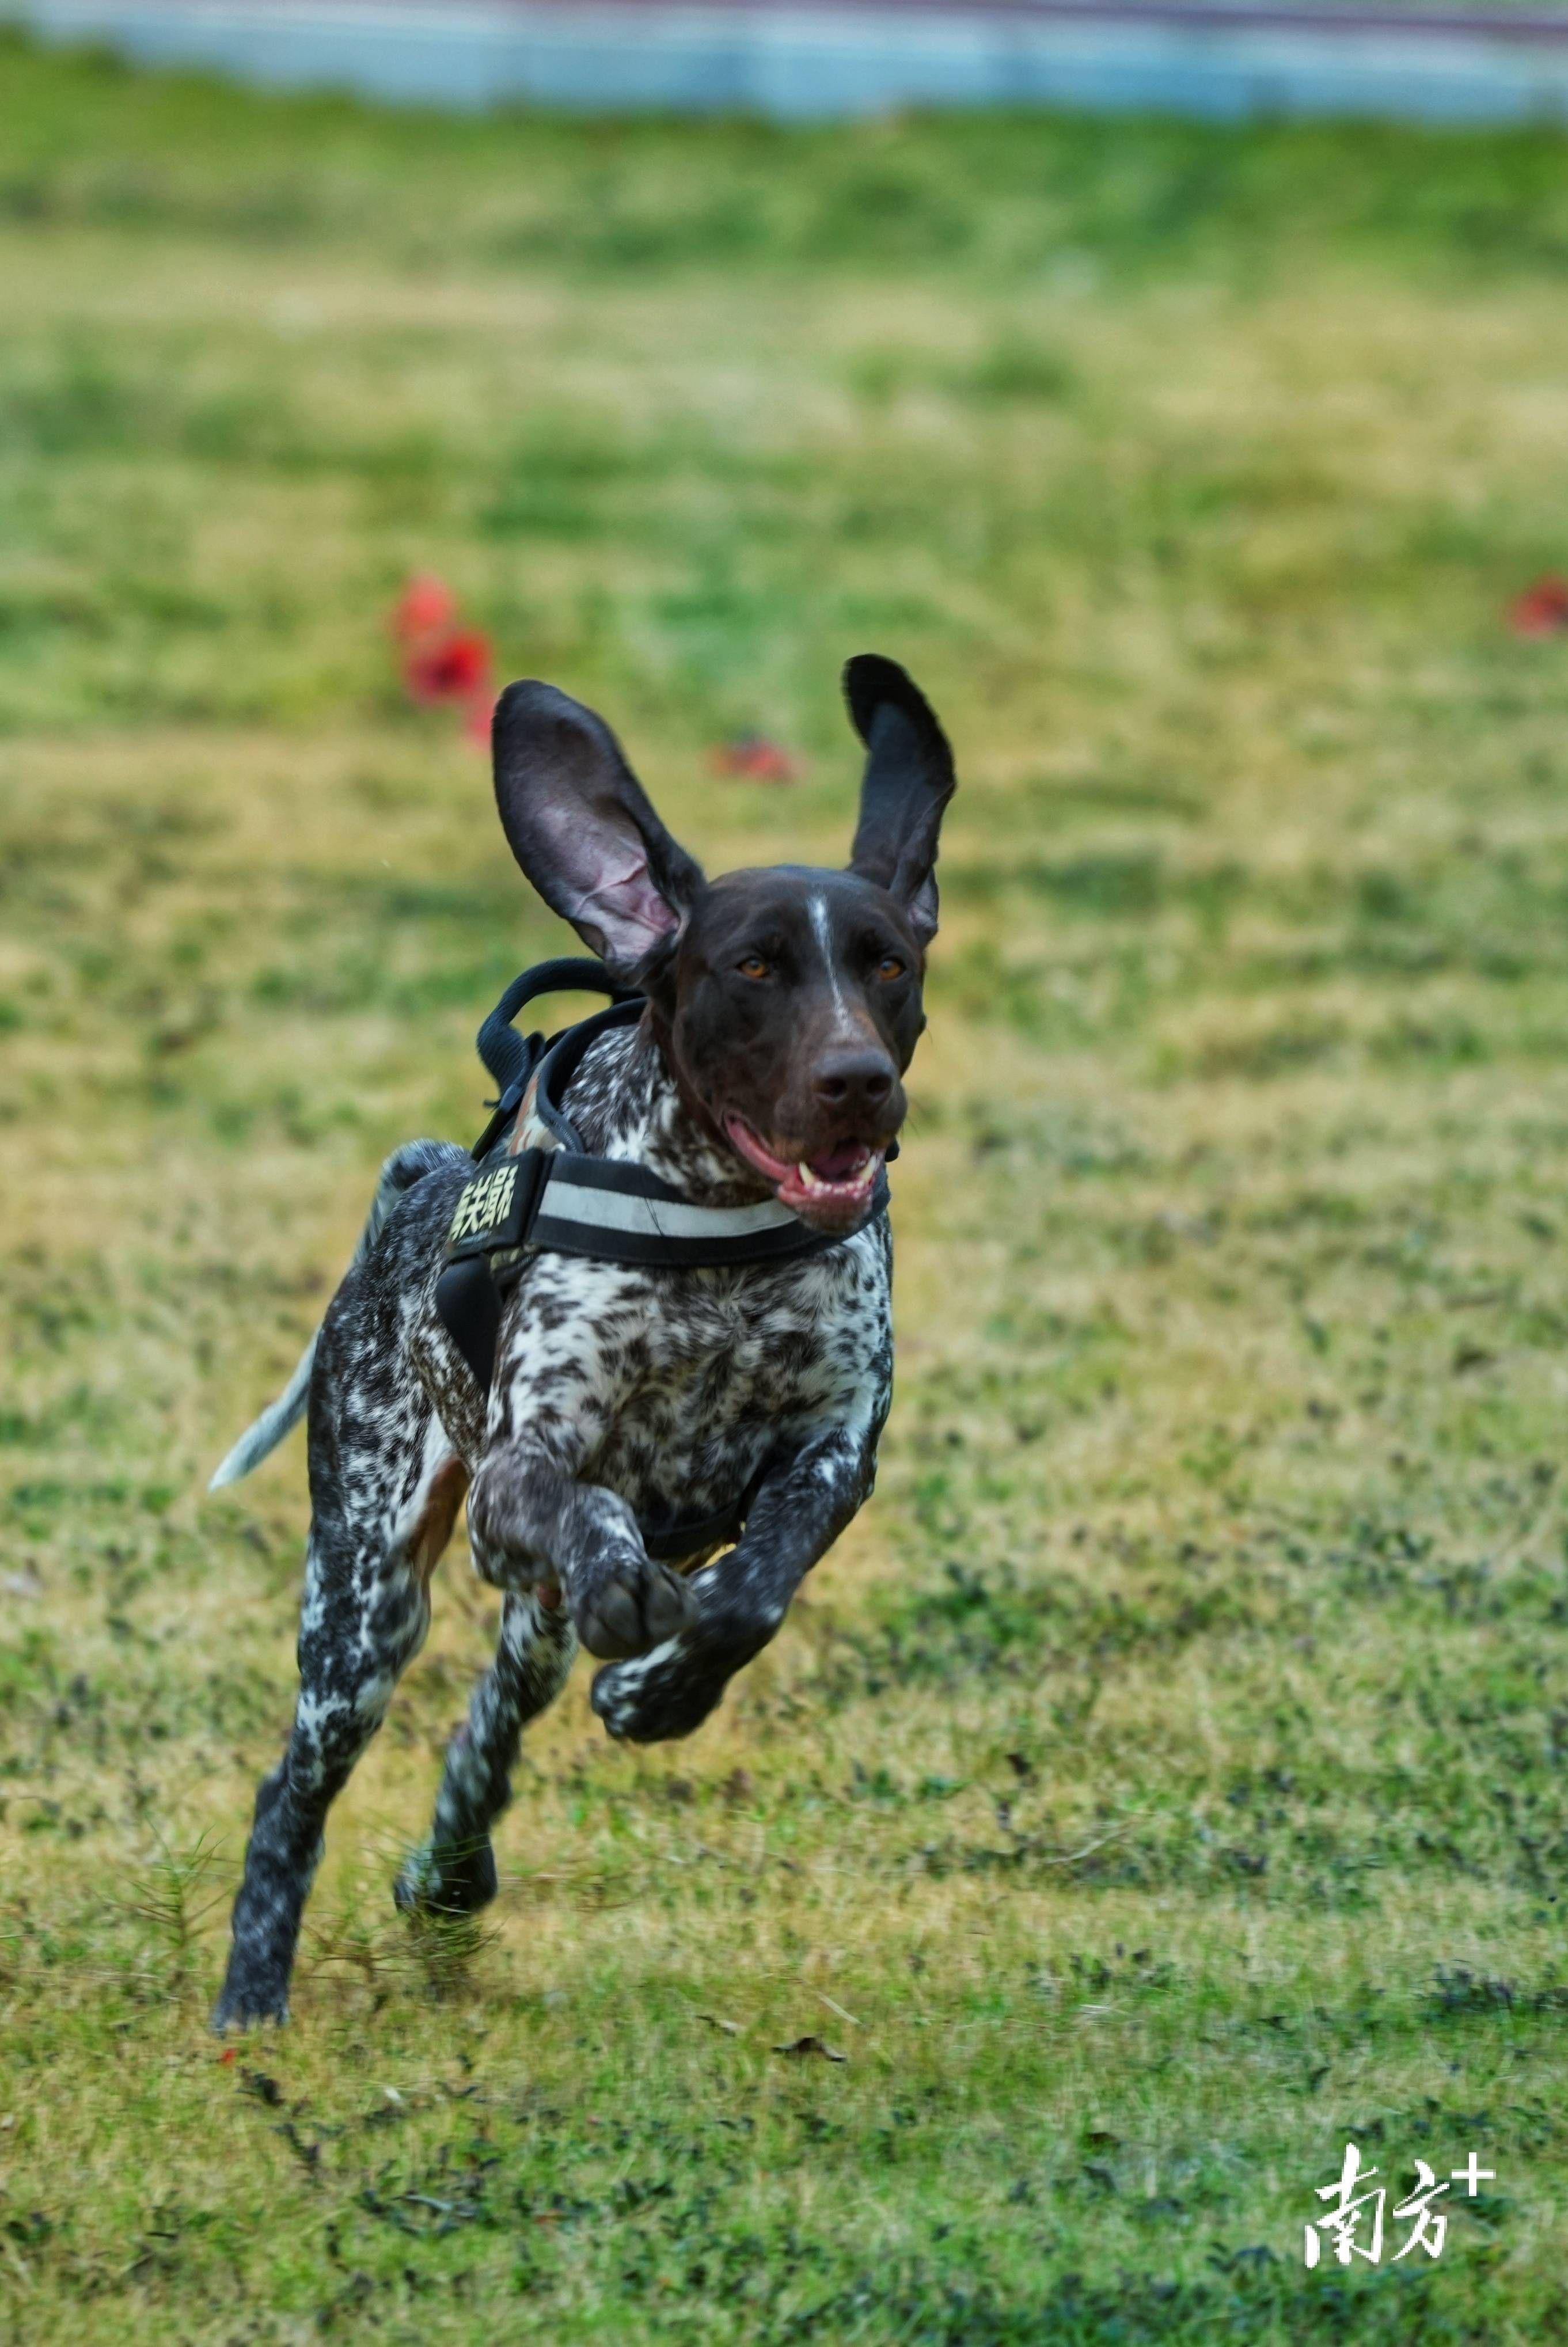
535,1527
742,1599
566,1362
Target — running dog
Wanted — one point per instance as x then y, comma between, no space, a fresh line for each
756,1087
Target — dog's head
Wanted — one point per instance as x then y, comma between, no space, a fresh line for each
786,1000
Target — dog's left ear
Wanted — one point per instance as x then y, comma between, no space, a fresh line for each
581,825
910,778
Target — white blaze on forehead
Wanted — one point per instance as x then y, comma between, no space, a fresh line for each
842,1016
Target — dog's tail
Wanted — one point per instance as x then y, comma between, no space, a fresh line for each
402,1170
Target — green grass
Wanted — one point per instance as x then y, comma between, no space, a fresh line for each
1164,1781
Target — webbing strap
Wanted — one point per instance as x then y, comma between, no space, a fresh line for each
507,1054
512,1057
554,1202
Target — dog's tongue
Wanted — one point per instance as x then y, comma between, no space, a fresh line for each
840,1164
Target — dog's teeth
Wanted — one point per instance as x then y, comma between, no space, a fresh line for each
853,1180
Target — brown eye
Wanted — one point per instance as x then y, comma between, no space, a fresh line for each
751,966
889,967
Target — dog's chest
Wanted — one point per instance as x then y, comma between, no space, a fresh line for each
672,1387
703,1346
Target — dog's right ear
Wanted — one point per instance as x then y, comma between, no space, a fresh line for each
580,825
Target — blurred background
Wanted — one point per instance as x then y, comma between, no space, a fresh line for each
1162,1781
1489,60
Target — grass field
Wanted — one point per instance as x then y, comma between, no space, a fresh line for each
1163,1783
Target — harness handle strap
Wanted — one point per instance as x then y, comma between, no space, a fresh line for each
512,1057
505,1052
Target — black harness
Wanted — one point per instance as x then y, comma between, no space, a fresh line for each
565,1201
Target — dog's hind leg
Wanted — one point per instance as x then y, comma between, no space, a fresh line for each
366,1610
454,1871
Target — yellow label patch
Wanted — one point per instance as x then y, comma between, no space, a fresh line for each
484,1204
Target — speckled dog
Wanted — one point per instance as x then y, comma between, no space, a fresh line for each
782,1007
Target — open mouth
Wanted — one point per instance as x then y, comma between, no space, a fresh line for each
833,1187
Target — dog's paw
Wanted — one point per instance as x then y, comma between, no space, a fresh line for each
630,1606
447,1882
656,1695
248,2004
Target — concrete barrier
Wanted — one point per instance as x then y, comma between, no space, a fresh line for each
814,59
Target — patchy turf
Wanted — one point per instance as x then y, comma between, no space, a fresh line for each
1163,1782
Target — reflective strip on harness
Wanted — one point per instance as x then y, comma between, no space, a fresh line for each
572,1201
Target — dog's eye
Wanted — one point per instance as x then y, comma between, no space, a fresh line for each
751,966
889,967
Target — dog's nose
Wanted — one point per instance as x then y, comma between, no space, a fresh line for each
853,1080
